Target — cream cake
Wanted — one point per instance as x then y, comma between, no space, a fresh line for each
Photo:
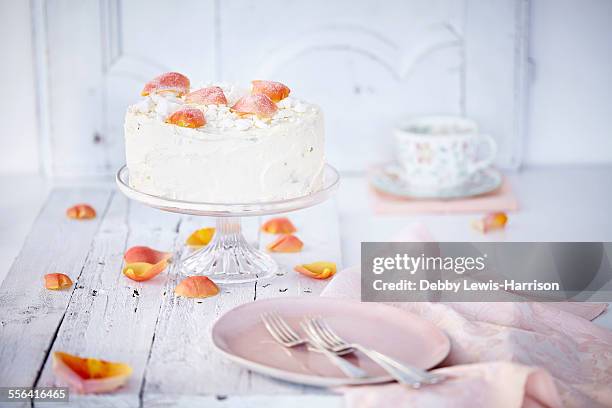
222,143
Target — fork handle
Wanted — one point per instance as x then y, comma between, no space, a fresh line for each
402,373
346,366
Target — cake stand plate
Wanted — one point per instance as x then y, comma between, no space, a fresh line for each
229,258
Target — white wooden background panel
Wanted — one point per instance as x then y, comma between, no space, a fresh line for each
496,72
366,63
571,98
18,125
73,38
75,65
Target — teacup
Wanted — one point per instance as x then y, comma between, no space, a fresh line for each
441,151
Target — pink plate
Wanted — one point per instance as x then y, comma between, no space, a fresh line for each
241,336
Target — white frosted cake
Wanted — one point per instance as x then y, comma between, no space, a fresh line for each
222,143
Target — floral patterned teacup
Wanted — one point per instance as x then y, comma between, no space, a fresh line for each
441,151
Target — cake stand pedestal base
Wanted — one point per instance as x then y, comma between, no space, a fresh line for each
229,258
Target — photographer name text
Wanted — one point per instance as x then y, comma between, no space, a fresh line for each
463,285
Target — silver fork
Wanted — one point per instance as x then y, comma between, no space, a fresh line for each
403,373
287,337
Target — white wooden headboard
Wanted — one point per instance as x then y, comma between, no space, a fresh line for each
367,63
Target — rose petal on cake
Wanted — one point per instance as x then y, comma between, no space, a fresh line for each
145,254
57,281
187,117
143,271
168,82
212,95
273,90
200,238
258,104
286,243
196,287
280,225
81,212
317,270
491,222
89,375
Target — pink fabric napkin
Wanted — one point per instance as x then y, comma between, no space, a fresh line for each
502,199
507,354
503,355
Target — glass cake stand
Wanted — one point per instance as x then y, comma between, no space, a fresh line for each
229,258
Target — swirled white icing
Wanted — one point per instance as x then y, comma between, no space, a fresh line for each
232,159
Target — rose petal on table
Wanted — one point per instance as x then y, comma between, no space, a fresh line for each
187,117
89,375
491,222
143,271
317,270
81,212
280,225
57,281
273,90
286,243
196,287
145,254
212,95
200,238
258,104
168,82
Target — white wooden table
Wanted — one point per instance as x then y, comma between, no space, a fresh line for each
105,315
165,338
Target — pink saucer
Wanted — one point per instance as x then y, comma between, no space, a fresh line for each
241,336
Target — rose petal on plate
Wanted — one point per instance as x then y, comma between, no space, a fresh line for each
212,95
273,90
196,287
187,117
286,243
168,82
317,270
257,104
81,212
200,238
143,271
493,221
280,225
145,254
57,281
89,375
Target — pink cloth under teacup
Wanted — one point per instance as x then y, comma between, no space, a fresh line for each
506,354
502,199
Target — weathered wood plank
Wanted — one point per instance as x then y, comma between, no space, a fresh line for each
183,362
182,359
29,313
319,230
110,316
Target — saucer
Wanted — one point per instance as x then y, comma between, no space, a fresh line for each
388,178
241,337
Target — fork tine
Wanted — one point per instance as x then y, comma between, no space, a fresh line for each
321,333
270,326
330,332
330,341
287,328
317,334
283,327
310,333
